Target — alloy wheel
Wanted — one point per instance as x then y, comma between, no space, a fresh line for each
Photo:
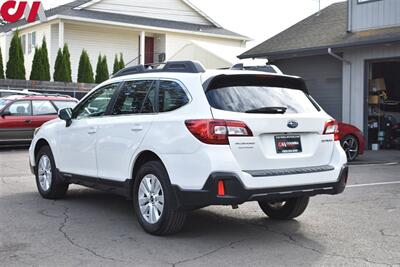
350,146
45,173
151,198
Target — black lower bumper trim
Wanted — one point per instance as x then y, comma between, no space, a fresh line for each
236,193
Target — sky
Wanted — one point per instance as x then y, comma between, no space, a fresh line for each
257,19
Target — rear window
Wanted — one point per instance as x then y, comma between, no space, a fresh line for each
259,96
64,104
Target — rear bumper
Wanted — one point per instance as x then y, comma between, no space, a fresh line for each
236,193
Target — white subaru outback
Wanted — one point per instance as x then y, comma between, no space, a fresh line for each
180,137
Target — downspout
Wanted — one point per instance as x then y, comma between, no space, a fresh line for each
331,53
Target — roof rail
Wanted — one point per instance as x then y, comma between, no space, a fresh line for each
170,66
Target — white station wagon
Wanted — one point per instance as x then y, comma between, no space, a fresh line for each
179,137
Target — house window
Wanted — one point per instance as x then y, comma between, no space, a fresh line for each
31,41
23,43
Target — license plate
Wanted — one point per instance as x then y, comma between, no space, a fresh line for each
288,144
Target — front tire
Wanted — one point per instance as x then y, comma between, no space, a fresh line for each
153,201
49,184
285,210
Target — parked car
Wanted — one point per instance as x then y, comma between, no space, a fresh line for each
20,115
182,138
5,92
352,140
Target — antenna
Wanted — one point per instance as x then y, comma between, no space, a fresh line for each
319,6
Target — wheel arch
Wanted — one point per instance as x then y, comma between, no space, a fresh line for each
142,158
39,144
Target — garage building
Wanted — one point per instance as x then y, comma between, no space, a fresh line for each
349,55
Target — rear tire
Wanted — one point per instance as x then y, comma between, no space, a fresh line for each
285,210
153,200
49,184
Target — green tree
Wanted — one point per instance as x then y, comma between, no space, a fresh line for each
121,62
36,65
116,65
60,71
44,61
1,65
67,61
101,69
15,64
105,68
85,71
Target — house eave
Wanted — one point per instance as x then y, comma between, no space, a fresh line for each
319,50
129,25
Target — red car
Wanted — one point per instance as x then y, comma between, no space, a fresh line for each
352,140
21,115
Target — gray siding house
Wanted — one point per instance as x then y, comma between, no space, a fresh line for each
349,55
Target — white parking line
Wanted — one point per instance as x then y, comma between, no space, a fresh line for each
372,184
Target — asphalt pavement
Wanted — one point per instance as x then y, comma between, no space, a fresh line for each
360,227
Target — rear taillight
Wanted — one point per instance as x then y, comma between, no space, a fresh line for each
217,132
332,127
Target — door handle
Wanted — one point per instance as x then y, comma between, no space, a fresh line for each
92,131
137,128
28,121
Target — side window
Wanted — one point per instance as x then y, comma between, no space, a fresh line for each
20,108
96,104
172,96
135,97
43,108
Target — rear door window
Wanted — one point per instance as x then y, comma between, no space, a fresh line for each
171,96
136,97
43,107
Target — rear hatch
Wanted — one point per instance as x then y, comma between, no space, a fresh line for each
287,125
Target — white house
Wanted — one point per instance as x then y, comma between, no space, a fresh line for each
144,31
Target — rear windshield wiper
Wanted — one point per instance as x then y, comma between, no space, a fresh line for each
268,110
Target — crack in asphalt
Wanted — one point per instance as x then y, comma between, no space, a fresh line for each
291,240
207,253
382,231
72,242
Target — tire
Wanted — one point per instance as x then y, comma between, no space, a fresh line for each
285,210
154,210
350,146
49,184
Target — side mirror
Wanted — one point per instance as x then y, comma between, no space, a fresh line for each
66,115
5,113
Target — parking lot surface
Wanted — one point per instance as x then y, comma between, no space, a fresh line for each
358,228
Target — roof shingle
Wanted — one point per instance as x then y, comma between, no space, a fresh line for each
327,29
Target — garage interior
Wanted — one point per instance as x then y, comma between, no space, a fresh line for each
384,104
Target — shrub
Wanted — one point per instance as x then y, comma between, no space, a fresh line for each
60,72
36,65
15,64
101,69
1,65
116,65
67,62
44,61
121,62
85,71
